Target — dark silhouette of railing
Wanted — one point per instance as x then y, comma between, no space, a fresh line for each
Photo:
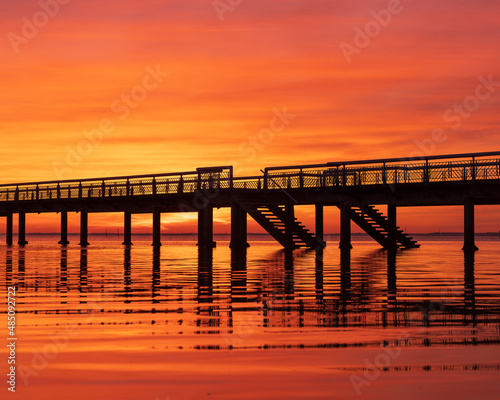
450,168
420,170
122,186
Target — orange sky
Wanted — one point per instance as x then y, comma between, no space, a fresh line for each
88,64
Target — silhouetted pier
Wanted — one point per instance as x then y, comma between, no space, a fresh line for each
357,188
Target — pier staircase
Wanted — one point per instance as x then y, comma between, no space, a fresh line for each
282,225
376,224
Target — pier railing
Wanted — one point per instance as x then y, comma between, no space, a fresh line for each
419,170
125,186
452,168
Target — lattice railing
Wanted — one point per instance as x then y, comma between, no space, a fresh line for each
176,183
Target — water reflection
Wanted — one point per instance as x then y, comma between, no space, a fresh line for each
127,275
469,289
83,275
62,287
156,278
319,276
8,267
210,314
21,268
205,275
325,288
239,276
288,279
345,277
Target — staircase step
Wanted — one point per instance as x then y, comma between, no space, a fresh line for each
275,219
376,224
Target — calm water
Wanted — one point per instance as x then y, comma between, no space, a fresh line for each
115,323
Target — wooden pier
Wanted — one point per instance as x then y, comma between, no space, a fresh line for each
357,188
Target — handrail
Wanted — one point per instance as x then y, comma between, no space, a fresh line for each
387,160
114,178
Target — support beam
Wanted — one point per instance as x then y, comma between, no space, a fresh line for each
206,226
64,228
469,232
238,227
156,227
392,226
127,229
10,229
290,210
319,221
345,227
84,228
22,229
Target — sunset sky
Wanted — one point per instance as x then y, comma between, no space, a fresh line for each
175,85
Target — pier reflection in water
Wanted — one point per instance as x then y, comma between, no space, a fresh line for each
322,311
183,298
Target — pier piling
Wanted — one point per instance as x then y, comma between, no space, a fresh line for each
64,228
22,229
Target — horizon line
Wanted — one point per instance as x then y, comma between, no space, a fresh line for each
249,233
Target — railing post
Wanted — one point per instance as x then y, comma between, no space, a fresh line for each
427,171
154,186
265,178
37,192
58,191
301,179
384,177
343,175
80,190
128,187
180,185
103,186
473,169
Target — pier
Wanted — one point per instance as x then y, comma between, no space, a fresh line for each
358,188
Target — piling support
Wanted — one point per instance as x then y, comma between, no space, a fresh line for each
319,221
64,228
127,229
469,240
84,228
290,210
156,227
10,229
345,227
392,226
238,227
22,229
206,226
